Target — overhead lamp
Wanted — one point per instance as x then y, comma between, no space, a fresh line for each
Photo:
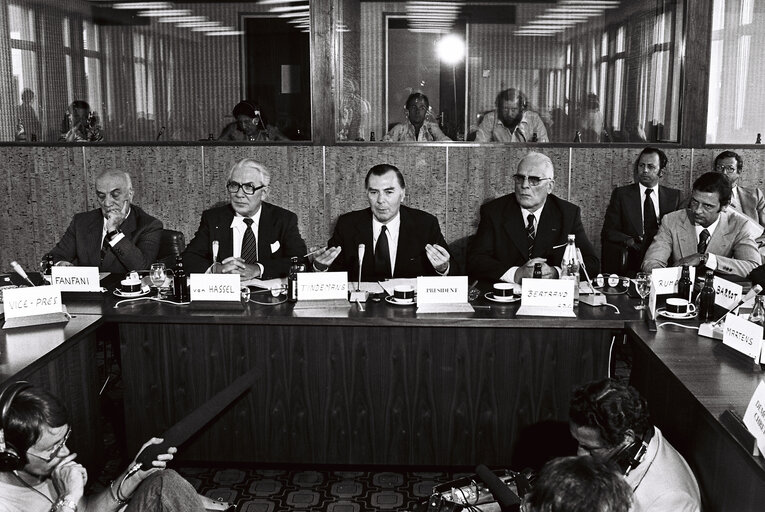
276,2
212,29
292,14
182,19
226,33
193,24
451,49
289,8
599,3
169,12
142,5
561,16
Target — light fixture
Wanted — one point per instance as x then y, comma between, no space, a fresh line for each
276,2
292,14
212,29
226,33
451,49
289,8
182,19
142,5
194,24
169,12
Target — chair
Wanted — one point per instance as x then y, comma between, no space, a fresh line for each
171,245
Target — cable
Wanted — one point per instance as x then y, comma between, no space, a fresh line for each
677,324
610,354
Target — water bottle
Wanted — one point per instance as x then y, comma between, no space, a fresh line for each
372,136
180,281
570,266
684,285
292,290
757,315
707,299
537,271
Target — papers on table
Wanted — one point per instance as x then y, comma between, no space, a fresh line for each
266,284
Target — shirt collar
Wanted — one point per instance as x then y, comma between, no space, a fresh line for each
711,227
537,214
392,226
238,220
643,188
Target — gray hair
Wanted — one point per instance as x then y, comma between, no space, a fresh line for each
265,174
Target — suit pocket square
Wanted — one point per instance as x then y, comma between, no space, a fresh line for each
275,246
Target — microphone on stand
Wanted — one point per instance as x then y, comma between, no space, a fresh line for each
20,271
358,295
756,289
362,250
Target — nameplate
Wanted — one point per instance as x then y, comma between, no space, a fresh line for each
442,290
76,279
322,286
742,335
727,293
32,301
754,417
551,293
215,287
664,280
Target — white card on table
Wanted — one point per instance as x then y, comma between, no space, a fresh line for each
76,279
322,286
215,287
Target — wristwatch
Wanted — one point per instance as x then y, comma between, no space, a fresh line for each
704,258
64,503
111,234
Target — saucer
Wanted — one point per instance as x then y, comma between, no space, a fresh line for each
503,300
675,316
132,295
392,300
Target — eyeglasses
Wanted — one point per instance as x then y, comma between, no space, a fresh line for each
727,168
534,181
248,188
55,450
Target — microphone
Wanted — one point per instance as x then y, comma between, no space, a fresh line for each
161,132
756,289
20,271
362,249
215,247
506,498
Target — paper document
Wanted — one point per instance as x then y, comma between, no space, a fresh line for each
545,311
457,307
267,284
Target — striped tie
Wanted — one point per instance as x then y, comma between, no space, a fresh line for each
703,241
531,233
249,244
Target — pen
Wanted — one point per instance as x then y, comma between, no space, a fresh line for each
321,248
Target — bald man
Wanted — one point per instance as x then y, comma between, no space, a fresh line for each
117,236
527,227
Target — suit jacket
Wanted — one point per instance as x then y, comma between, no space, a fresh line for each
624,222
752,202
278,240
732,243
418,228
501,240
81,243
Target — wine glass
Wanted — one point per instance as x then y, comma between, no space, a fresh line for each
643,286
158,275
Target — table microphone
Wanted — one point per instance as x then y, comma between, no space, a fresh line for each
756,289
20,271
362,250
507,499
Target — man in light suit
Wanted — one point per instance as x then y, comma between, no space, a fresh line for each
701,235
747,200
255,239
399,241
118,236
527,227
629,226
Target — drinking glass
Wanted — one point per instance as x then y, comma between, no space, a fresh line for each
643,286
158,275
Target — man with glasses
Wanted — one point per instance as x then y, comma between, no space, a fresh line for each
747,200
700,235
248,237
38,472
634,214
416,127
117,236
530,226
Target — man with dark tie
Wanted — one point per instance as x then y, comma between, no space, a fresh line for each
399,241
634,214
527,227
700,235
253,238
747,200
117,236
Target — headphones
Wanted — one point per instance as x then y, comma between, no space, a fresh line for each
9,457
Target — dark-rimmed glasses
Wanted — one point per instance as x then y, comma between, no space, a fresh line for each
54,451
248,188
534,181
727,168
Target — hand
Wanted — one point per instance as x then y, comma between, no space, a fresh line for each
63,263
633,243
692,260
70,478
157,464
527,270
232,265
114,217
324,257
438,257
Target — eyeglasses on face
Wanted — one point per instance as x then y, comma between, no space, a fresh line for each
534,181
248,188
726,168
54,451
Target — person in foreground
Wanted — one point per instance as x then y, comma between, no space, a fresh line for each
416,127
530,226
512,121
118,236
38,472
255,239
578,484
702,234
399,241
610,421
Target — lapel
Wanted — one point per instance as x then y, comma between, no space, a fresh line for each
686,236
515,226
747,203
407,242
222,232
666,205
363,235
632,205
549,232
720,242
95,228
265,232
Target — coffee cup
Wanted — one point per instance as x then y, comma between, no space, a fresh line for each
403,293
679,306
131,283
504,291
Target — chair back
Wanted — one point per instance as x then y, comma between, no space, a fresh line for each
171,245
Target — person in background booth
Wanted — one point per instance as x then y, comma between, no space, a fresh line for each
250,126
747,200
511,121
416,127
80,124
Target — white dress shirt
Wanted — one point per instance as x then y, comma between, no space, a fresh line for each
393,227
238,228
654,200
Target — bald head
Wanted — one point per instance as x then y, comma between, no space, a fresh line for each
534,167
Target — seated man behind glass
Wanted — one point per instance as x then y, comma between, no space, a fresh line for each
80,124
417,126
512,121
250,126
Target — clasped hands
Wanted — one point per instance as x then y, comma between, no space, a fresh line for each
437,255
527,270
236,265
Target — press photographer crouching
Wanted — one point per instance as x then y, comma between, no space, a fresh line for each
38,472
610,422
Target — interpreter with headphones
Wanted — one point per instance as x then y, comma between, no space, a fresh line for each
610,421
512,121
417,127
38,472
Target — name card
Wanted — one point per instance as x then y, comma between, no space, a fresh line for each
727,293
76,279
215,287
322,285
32,301
442,290
742,335
754,417
549,293
664,280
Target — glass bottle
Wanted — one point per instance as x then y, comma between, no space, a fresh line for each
570,266
180,281
684,285
537,271
707,299
372,136
757,315
292,289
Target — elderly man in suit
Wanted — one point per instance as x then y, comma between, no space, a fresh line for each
255,239
634,214
117,236
527,227
399,241
747,200
703,235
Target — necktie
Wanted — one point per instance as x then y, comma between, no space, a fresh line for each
703,241
531,233
249,244
104,248
382,256
650,223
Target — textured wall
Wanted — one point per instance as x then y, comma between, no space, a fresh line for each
45,186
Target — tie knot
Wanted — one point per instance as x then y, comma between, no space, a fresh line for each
248,221
531,219
383,229
648,191
704,235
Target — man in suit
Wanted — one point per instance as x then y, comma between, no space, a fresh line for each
254,238
530,226
399,241
634,214
700,235
747,200
118,236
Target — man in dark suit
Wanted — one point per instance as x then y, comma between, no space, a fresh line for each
527,227
399,241
634,214
253,238
116,237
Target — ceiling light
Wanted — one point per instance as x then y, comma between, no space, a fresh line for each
276,2
226,33
142,5
169,12
199,24
182,19
212,29
292,14
289,8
